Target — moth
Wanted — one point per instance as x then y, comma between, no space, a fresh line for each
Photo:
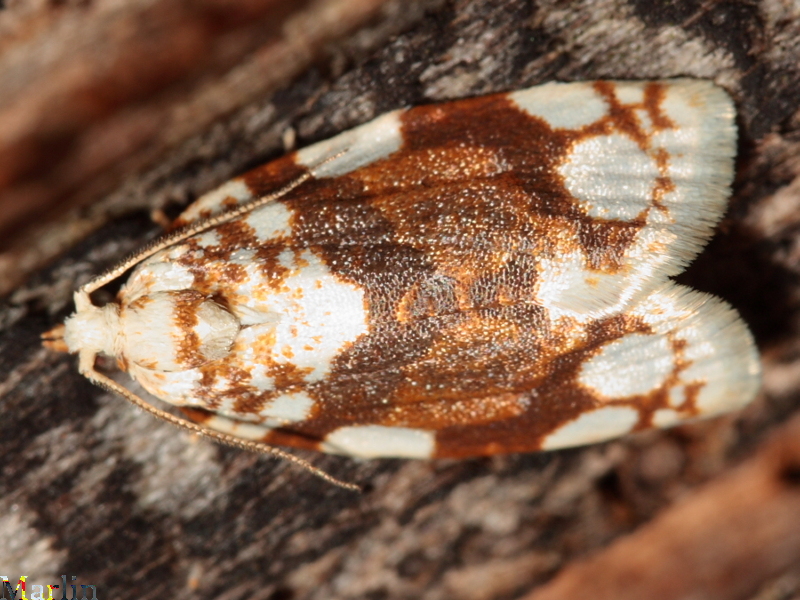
484,276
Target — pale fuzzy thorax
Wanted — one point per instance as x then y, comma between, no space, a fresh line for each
93,329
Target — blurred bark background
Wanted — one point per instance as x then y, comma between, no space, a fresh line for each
115,114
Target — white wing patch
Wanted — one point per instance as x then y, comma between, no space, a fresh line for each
556,103
235,189
319,315
611,176
371,441
567,287
633,365
271,222
358,147
289,408
595,426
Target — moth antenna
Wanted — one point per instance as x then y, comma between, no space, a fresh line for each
108,384
199,226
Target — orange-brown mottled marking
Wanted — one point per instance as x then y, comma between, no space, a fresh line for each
443,237
186,305
556,399
648,404
140,302
654,94
664,184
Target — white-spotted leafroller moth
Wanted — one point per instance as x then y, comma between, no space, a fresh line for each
483,276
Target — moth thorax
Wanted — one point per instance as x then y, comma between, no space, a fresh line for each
175,331
93,329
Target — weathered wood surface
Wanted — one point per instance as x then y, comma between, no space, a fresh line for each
93,94
90,487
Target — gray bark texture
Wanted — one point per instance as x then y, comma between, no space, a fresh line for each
114,116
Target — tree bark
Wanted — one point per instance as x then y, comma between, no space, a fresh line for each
112,113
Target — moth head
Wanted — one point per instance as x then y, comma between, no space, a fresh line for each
91,329
163,331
